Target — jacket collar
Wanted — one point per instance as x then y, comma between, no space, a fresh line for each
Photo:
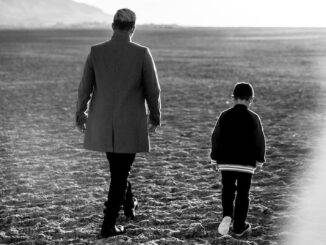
121,36
240,106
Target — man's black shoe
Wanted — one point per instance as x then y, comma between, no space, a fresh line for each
131,212
112,231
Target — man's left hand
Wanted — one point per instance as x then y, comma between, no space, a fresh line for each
81,122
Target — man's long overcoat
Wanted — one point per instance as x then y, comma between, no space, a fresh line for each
119,77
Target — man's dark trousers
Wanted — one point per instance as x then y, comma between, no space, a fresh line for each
120,188
236,182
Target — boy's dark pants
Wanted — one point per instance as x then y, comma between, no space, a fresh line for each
120,188
236,182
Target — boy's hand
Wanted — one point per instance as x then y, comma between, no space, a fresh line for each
214,165
259,167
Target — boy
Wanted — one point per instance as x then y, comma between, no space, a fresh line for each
238,147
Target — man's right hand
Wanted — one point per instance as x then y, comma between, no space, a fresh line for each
152,128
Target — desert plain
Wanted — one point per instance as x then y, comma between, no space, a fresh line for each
52,190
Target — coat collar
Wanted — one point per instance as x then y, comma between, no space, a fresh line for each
121,36
240,106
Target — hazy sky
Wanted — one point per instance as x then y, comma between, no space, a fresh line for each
222,12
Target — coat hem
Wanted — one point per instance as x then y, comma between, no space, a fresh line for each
100,149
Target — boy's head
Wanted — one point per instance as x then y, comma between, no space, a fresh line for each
243,91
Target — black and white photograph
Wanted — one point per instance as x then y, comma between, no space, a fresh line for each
158,122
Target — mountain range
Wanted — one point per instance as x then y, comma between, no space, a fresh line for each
49,13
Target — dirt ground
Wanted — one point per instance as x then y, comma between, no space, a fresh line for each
52,190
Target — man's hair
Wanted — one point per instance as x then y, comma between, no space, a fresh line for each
243,91
124,19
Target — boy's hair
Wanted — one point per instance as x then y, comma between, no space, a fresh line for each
243,91
124,19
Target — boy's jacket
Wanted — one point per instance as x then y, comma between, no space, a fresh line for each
238,140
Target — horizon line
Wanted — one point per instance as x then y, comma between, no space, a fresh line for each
102,25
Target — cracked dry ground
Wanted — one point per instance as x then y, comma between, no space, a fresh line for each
52,191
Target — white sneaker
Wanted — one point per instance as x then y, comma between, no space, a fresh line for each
246,230
224,226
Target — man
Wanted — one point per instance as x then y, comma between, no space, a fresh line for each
119,76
